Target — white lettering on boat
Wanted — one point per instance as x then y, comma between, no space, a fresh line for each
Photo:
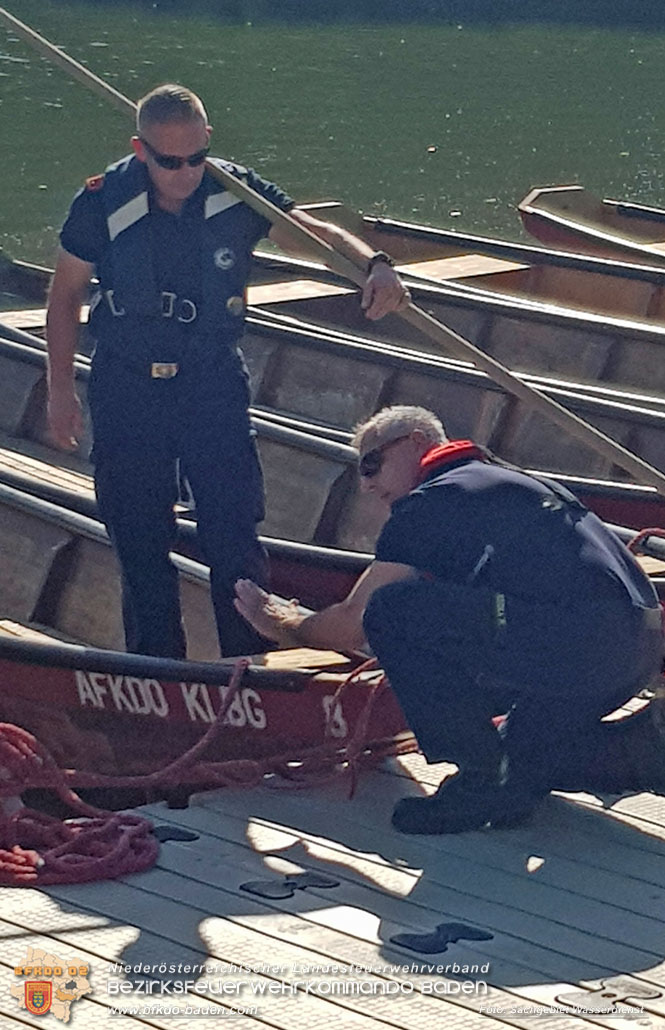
244,710
148,697
197,702
335,721
91,691
128,693
140,697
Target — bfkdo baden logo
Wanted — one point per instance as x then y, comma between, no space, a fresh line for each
52,984
38,996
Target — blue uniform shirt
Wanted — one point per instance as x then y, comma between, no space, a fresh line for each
480,523
176,245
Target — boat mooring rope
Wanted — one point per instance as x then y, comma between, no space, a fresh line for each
38,849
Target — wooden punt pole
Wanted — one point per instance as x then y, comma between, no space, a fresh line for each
305,240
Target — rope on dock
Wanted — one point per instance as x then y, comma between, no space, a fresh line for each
38,849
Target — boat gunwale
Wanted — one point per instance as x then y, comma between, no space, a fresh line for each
521,251
582,228
64,655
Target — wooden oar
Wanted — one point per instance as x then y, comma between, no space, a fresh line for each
306,241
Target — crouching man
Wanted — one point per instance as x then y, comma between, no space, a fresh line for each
492,592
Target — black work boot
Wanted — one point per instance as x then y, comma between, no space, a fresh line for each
467,801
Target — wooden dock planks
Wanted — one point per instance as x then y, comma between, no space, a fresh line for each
573,901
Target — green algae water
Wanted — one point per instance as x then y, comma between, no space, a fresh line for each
448,124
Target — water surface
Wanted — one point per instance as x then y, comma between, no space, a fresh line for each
448,124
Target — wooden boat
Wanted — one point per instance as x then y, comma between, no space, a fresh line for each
572,218
482,265
533,310
62,675
304,413
515,271
59,575
522,334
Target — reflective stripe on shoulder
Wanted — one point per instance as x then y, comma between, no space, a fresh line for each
127,215
218,202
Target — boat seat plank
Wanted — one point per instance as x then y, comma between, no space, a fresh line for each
293,658
30,319
296,289
46,472
21,631
652,566
461,267
45,454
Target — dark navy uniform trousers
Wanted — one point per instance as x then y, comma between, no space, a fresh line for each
554,669
142,427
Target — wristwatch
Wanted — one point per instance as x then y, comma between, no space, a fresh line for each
379,258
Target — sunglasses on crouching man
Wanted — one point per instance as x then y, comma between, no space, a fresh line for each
370,464
170,161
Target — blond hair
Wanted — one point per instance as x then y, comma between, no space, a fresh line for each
169,103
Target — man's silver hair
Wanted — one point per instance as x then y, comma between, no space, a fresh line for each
391,423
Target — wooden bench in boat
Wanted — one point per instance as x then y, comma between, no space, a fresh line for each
460,267
33,634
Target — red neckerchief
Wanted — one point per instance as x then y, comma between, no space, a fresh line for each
447,453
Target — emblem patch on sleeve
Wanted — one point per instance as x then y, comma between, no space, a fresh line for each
94,182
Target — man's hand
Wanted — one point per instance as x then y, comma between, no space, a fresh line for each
384,292
272,616
65,418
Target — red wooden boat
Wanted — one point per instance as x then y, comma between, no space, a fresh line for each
101,711
571,218
104,712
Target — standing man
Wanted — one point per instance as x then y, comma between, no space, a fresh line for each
172,251
492,592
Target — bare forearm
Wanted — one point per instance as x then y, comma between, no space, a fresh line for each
62,329
344,242
351,247
337,627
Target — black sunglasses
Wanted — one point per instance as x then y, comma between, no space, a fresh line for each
371,463
170,161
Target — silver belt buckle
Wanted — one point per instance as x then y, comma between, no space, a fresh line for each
163,369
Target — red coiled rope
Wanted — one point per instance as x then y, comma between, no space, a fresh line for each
38,849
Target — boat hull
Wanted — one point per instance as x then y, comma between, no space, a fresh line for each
572,219
111,714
